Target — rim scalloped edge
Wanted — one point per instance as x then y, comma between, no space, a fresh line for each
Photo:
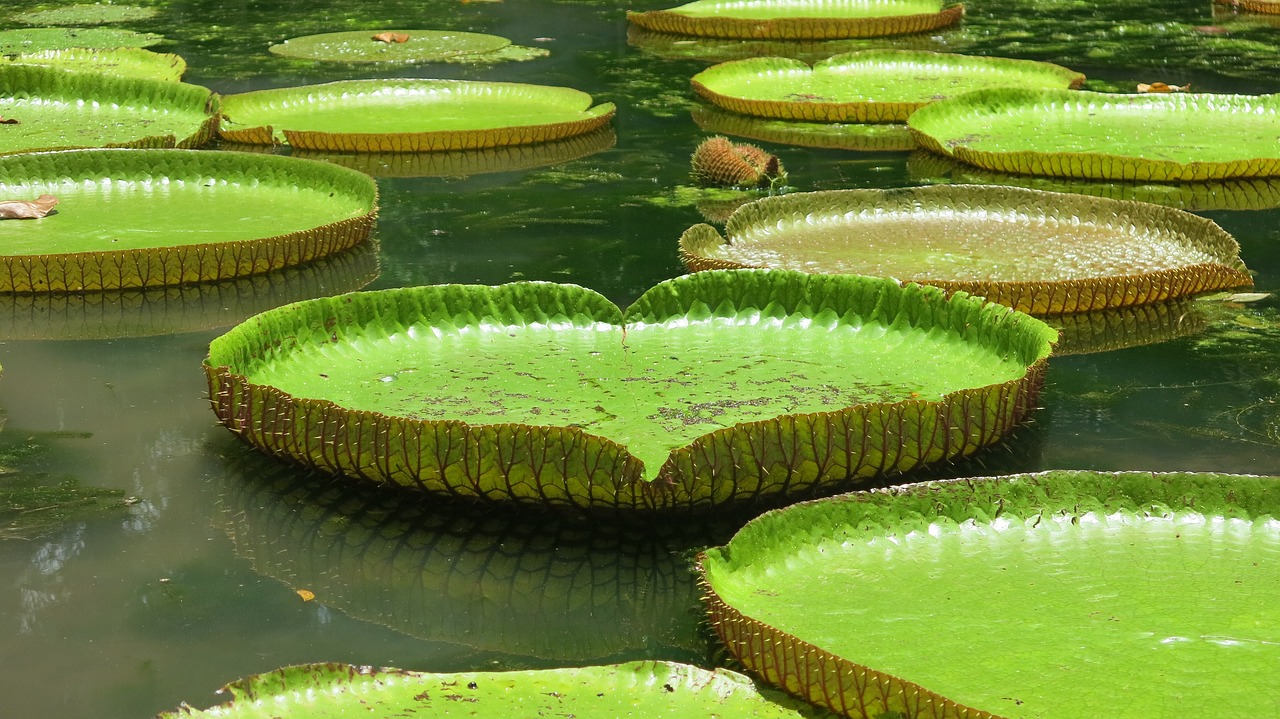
1264,7
860,138
757,462
445,140
185,264
797,28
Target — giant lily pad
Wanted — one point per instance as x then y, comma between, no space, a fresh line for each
56,109
871,86
410,115
147,218
1039,252
403,46
712,388
1077,594
39,39
648,689
836,135
800,19
87,14
1173,137
118,62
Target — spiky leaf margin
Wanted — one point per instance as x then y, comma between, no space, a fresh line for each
592,118
854,690
760,462
931,124
1037,74
165,266
699,243
794,28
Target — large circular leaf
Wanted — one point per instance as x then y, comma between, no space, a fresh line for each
118,62
1038,252
713,388
147,218
38,39
389,45
410,115
86,14
871,86
1077,594
639,689
800,19
50,109
869,138
1172,137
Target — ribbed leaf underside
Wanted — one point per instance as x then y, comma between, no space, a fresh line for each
742,448
866,138
149,218
1268,7
56,109
1038,252
800,19
1117,656
410,115
875,86
650,689
362,46
118,62
1175,137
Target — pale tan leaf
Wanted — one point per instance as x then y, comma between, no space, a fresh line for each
27,209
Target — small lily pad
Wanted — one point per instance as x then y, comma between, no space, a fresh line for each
1038,252
712,388
39,39
647,689
410,115
148,218
870,86
53,109
87,14
1078,594
1173,137
118,62
364,46
799,19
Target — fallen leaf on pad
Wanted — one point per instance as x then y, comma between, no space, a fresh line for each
390,37
27,209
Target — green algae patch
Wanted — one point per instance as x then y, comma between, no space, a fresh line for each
799,19
1173,137
1078,593
146,218
711,389
871,86
119,62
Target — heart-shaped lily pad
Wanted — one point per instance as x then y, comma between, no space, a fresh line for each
1039,252
1077,594
640,689
410,115
870,86
402,46
118,62
868,138
1172,137
800,19
49,108
712,388
147,218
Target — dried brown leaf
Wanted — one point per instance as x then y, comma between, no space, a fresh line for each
1162,87
391,37
7,120
27,209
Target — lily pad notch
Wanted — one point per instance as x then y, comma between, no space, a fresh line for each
595,408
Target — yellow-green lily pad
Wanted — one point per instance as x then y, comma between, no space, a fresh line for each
799,19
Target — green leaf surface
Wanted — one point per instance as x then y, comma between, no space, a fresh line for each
568,401
871,86
799,19
641,689
410,115
129,62
87,14
144,218
1173,137
39,39
58,109
360,46
1038,252
1079,594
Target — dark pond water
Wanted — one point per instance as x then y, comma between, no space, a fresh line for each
132,610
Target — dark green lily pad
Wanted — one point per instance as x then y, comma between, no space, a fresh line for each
1038,252
870,86
1172,137
87,14
1078,594
712,388
799,19
39,39
835,135
149,218
118,62
648,689
55,109
410,115
363,46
